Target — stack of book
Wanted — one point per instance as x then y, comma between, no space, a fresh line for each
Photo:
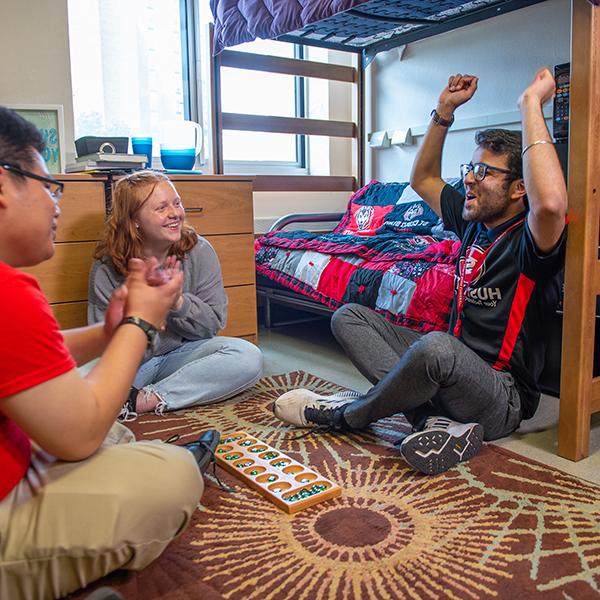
100,161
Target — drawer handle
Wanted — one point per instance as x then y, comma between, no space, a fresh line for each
194,210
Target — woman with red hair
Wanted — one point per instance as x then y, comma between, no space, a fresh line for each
187,364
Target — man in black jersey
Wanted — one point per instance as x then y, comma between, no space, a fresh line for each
478,380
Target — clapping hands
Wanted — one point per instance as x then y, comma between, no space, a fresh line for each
159,274
147,295
167,275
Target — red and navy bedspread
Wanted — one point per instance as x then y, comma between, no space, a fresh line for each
389,252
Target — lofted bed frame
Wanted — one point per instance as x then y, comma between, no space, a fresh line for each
370,26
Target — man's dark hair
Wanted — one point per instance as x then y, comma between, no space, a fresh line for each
503,141
18,139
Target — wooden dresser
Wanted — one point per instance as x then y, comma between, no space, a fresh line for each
64,278
219,208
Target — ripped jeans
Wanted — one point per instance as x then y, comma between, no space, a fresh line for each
201,372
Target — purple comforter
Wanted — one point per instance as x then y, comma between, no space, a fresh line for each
238,21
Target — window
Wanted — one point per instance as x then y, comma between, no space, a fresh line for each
127,66
261,93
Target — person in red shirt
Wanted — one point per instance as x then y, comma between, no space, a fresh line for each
76,501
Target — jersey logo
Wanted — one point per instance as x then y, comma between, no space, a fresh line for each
474,263
364,216
473,260
413,211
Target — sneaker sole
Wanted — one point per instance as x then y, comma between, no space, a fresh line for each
433,452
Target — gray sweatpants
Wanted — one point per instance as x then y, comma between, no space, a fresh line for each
421,375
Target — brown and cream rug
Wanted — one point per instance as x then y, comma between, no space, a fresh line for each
500,526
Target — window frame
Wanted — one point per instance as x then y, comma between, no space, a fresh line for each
280,167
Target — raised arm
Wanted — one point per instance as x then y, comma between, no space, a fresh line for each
426,177
544,181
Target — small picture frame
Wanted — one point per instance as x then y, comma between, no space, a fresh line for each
50,120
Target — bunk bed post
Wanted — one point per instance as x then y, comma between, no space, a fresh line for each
358,106
215,110
579,391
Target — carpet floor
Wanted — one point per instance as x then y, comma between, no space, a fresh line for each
499,526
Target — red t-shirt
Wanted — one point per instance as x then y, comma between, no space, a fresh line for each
32,352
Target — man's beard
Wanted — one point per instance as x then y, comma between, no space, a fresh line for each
494,207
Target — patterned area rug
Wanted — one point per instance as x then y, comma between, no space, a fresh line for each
500,526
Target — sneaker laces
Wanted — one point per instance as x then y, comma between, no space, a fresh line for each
321,416
161,406
345,394
437,422
128,412
317,412
318,429
127,415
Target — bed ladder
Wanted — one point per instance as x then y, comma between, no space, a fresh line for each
580,390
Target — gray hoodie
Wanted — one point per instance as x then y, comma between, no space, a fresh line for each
204,310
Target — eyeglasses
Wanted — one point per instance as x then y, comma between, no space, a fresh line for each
55,188
479,170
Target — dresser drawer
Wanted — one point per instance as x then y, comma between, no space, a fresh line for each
241,312
64,278
82,212
70,314
212,207
236,255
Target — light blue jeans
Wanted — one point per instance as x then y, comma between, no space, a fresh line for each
201,372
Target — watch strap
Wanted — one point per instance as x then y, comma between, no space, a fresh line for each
439,120
149,329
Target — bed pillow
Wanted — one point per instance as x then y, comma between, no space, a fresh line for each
369,207
412,214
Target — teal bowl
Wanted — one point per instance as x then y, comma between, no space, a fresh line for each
183,160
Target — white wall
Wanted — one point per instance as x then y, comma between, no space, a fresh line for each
35,67
504,52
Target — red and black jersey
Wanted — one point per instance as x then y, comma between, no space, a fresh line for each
505,290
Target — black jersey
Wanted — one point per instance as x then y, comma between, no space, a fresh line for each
509,290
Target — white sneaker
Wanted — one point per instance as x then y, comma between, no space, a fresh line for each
441,445
304,408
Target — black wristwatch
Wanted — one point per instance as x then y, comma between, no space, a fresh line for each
149,329
439,120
